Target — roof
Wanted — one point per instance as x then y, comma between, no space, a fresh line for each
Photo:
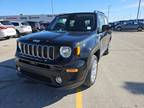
83,13
2,20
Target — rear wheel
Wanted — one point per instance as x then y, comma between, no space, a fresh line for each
92,73
139,29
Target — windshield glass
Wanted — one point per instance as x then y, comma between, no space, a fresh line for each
6,23
25,23
74,22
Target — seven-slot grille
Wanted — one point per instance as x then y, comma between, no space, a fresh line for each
46,52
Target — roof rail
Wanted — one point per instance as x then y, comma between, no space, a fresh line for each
96,11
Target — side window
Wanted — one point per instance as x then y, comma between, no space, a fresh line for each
15,24
135,23
130,23
124,22
101,21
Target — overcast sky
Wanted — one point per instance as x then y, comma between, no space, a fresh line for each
119,9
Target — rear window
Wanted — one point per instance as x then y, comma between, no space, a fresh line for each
5,22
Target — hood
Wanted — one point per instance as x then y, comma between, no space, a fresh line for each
58,37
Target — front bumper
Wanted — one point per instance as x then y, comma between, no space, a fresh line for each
48,73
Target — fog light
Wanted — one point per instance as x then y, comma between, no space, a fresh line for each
59,80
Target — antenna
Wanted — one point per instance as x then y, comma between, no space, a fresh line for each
52,8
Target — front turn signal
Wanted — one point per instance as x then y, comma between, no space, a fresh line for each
72,70
77,51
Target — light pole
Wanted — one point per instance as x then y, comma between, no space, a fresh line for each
139,5
109,7
52,8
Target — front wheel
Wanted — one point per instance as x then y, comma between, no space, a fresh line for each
8,37
18,33
119,29
106,52
92,72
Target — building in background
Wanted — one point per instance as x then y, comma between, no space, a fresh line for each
21,17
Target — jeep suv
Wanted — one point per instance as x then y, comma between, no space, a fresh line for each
67,55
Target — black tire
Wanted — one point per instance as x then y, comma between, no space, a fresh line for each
8,37
18,33
139,29
119,29
106,52
89,82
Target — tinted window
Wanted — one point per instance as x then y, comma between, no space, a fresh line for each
15,24
6,23
135,22
31,23
130,23
24,23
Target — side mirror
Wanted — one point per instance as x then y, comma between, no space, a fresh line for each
106,28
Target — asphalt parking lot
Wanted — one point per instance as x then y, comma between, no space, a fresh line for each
119,84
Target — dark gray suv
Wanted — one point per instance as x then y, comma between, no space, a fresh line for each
130,26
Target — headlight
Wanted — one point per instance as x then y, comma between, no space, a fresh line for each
65,52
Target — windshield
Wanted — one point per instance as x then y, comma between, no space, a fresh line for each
74,22
25,23
6,23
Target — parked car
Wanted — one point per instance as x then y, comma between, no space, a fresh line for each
44,25
67,55
112,25
22,27
7,30
35,25
119,23
130,26
141,21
